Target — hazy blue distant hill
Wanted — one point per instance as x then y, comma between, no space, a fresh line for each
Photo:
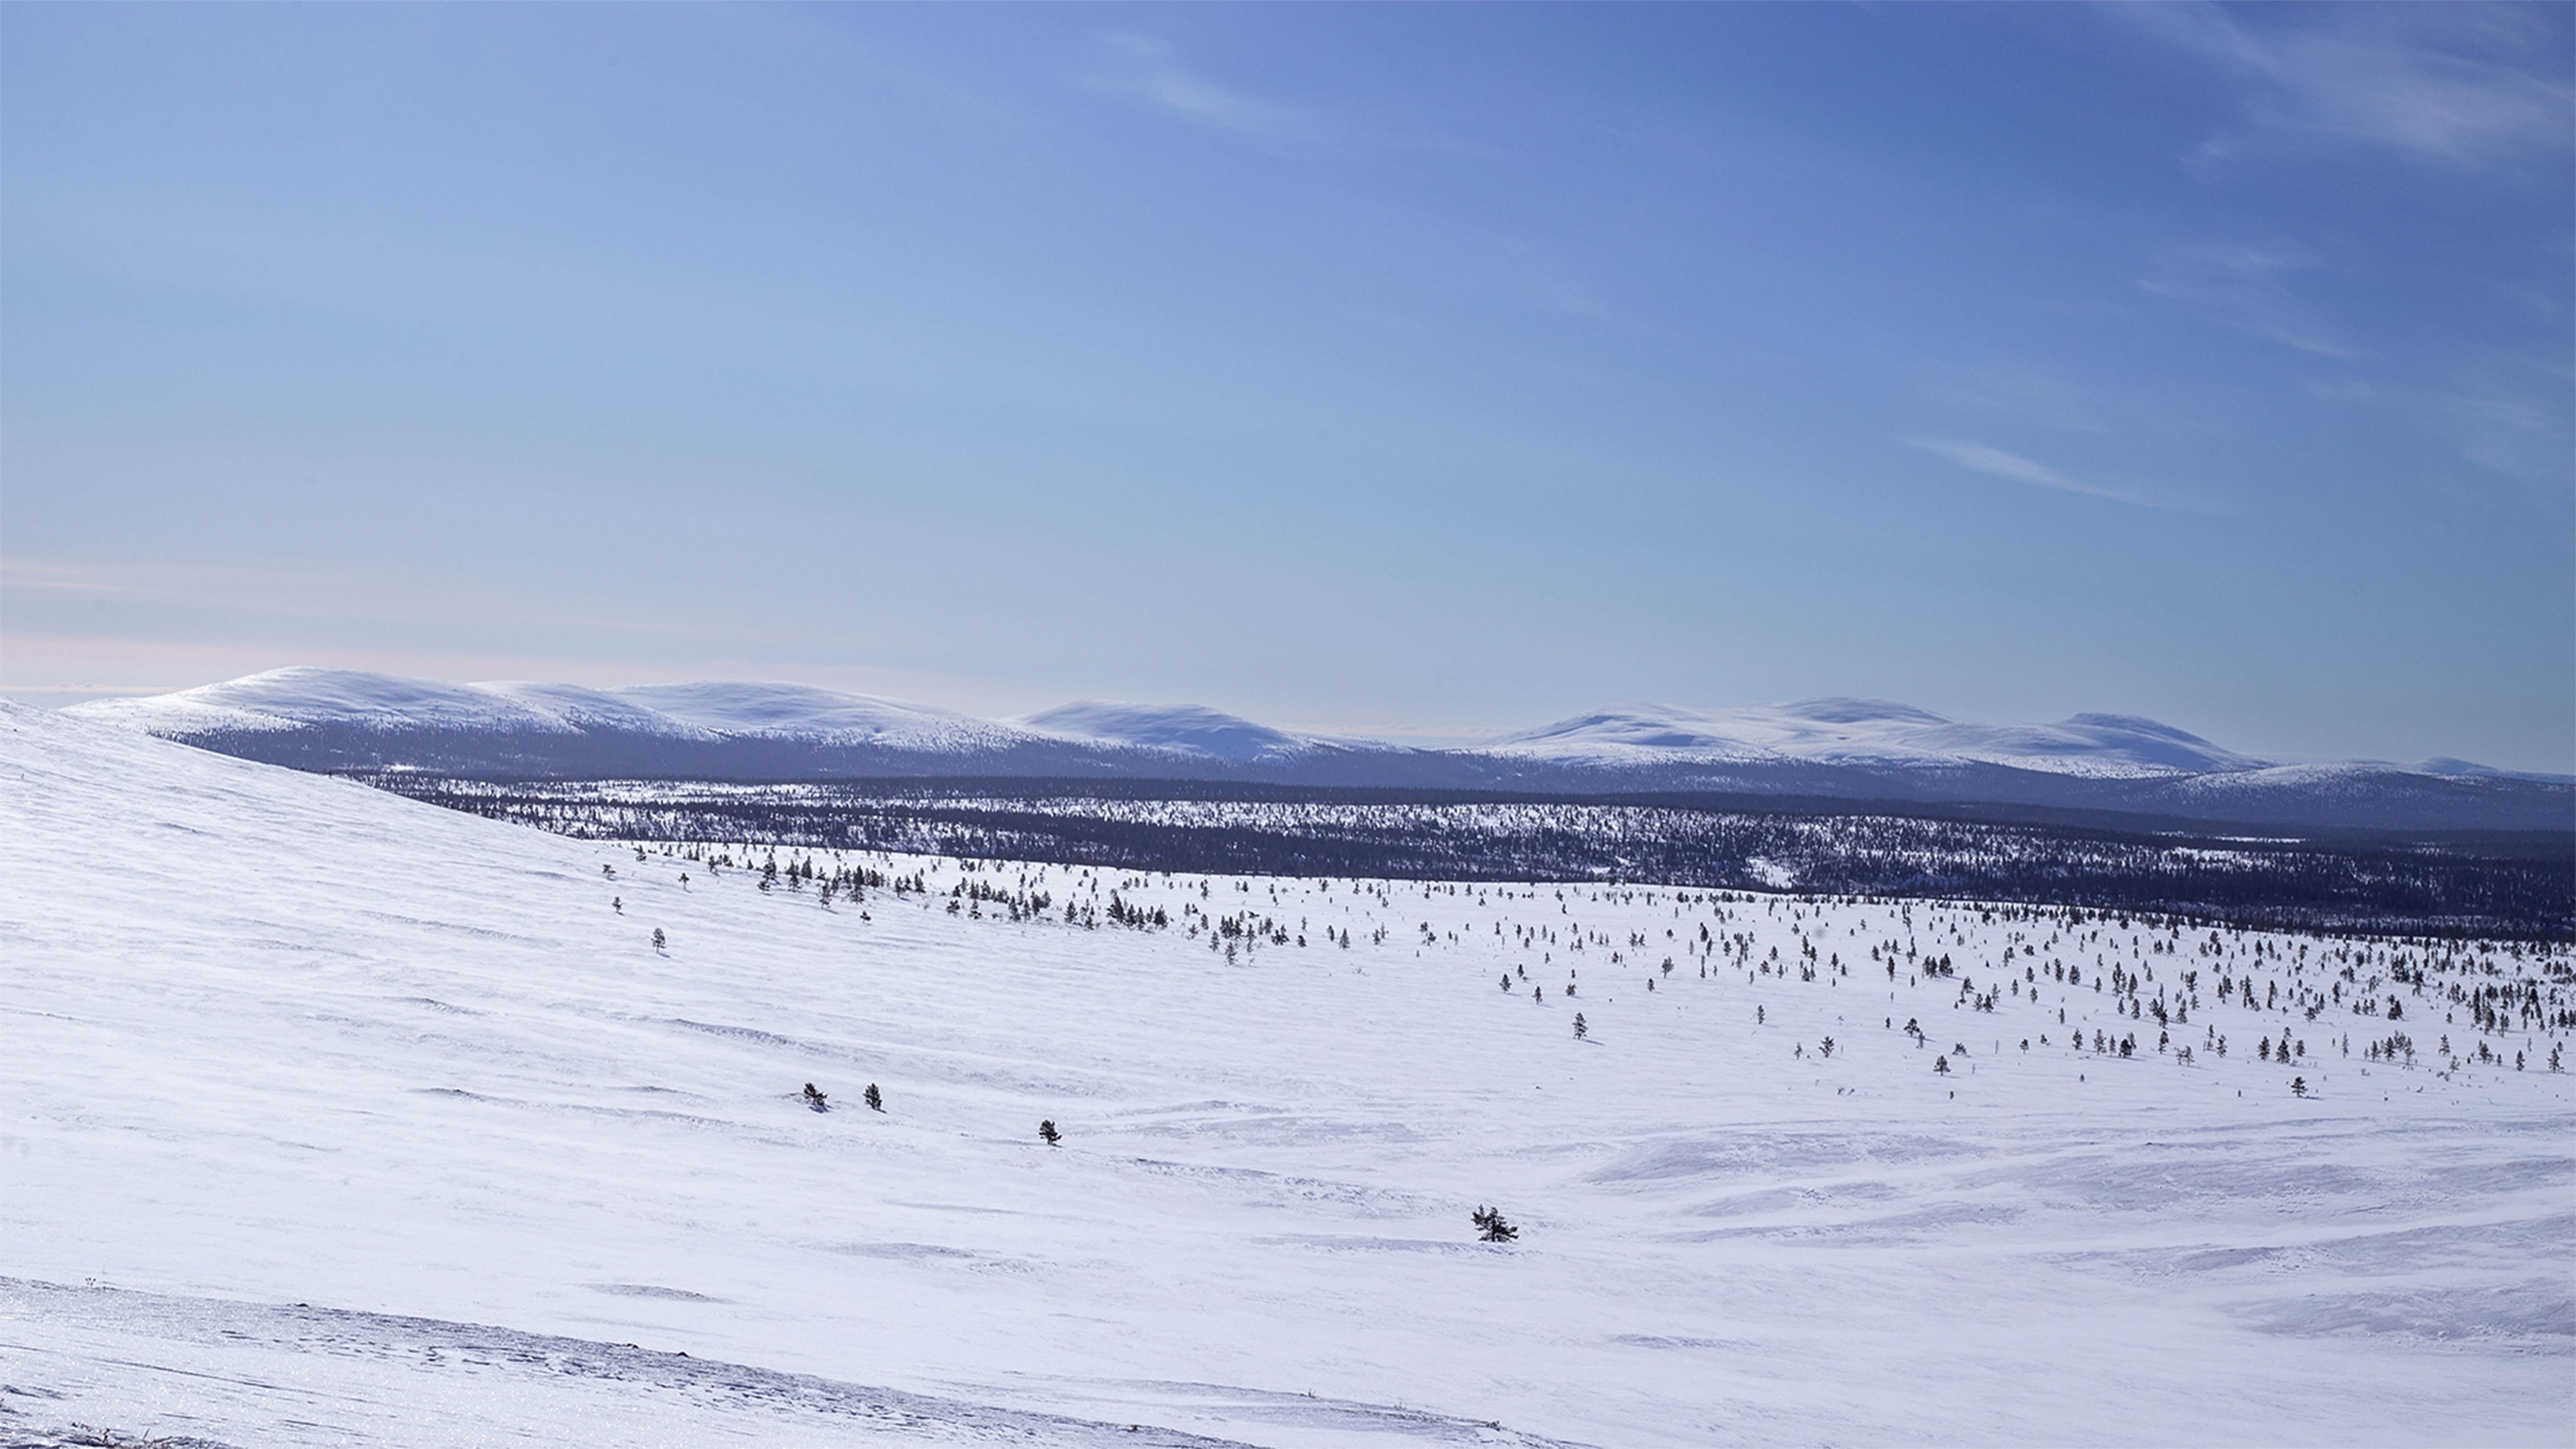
331,719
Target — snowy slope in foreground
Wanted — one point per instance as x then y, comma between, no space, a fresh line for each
336,1119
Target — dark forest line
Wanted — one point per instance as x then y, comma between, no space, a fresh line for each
2518,885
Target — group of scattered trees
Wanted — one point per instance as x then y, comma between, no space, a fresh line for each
2378,887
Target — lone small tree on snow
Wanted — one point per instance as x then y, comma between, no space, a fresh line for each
1941,1065
1580,1029
2298,1086
874,1099
814,1099
658,940
1048,1134
1490,1225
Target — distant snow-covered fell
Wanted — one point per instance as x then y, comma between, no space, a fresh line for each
1850,749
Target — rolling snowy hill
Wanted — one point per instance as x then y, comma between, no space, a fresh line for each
325,719
1183,728
1873,732
339,1119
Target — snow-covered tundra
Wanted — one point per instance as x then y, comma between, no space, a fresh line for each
332,1118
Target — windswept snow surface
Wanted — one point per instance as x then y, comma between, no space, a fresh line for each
337,1119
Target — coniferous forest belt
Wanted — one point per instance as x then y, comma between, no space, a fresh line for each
2500,884
2520,884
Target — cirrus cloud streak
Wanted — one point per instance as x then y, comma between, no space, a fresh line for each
2012,467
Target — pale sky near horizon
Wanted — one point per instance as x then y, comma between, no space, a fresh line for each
1390,369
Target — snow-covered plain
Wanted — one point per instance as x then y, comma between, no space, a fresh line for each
338,1119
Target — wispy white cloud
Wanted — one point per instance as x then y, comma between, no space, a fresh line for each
2465,87
2509,415
2246,288
2515,419
1995,462
1152,72
2030,397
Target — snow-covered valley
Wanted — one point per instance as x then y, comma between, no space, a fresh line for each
334,1118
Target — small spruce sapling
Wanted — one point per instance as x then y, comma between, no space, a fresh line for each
1048,1134
1490,1225
2298,1086
815,1099
1581,1030
659,940
874,1098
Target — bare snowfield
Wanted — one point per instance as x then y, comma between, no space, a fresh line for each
336,1119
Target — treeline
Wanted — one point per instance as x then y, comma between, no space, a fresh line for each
2522,889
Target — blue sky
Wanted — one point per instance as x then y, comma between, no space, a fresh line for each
1436,369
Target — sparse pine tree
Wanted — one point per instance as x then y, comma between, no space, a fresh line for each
1490,1225
874,1098
2298,1086
1581,1030
659,940
1048,1134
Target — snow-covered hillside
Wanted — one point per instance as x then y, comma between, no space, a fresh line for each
284,699
1874,731
338,1119
824,716
1823,730
1185,727
334,719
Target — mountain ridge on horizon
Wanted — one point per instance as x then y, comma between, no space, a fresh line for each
1839,746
